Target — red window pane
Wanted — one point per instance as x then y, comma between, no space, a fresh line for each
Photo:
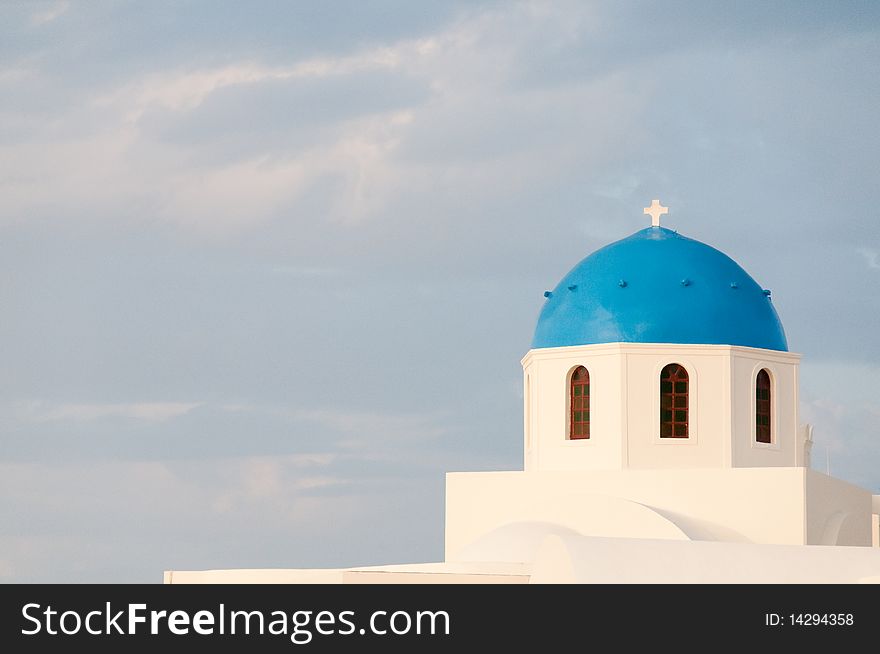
762,408
579,415
674,401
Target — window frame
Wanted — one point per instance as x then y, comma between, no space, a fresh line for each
774,411
693,405
763,374
679,392
569,411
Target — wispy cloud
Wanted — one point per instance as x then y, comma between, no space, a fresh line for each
197,514
307,272
384,430
872,258
839,400
183,90
50,13
277,480
355,166
426,184
149,411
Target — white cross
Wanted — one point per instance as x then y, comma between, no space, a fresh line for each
655,211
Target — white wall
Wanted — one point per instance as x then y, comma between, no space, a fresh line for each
875,520
584,560
408,573
546,439
625,407
838,513
708,420
761,505
783,370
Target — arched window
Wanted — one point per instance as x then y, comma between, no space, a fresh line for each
579,414
673,401
762,408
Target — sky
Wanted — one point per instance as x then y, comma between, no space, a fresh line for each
267,269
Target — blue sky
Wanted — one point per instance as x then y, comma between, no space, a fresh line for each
267,269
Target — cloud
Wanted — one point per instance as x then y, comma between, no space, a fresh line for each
416,116
839,400
307,272
149,411
94,521
51,13
184,90
320,237
872,258
383,425
175,431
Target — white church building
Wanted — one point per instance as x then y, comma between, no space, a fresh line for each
661,444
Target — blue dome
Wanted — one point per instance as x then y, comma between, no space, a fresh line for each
657,286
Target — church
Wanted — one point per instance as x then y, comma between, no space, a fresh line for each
661,444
